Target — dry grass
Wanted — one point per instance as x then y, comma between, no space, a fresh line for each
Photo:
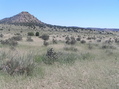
94,68
99,74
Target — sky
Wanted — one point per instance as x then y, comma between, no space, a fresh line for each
80,13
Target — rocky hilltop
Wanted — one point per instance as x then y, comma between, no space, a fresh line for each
23,17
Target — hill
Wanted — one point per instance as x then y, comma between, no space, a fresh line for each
22,18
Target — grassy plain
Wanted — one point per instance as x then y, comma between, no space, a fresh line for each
93,65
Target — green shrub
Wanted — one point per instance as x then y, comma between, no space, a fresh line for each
78,39
98,40
1,29
83,41
37,34
71,40
50,57
45,36
67,38
30,33
67,42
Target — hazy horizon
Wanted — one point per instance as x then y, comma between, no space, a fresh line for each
80,13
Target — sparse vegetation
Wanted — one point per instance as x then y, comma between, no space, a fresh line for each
71,58
17,38
10,42
71,40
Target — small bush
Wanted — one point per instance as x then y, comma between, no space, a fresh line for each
45,36
73,41
30,33
67,38
83,41
67,42
1,29
1,35
50,57
17,38
89,38
37,34
98,40
78,39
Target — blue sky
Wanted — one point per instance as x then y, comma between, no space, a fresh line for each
82,13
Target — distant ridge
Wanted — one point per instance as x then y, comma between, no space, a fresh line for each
26,19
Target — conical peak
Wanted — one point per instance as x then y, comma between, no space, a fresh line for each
23,17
